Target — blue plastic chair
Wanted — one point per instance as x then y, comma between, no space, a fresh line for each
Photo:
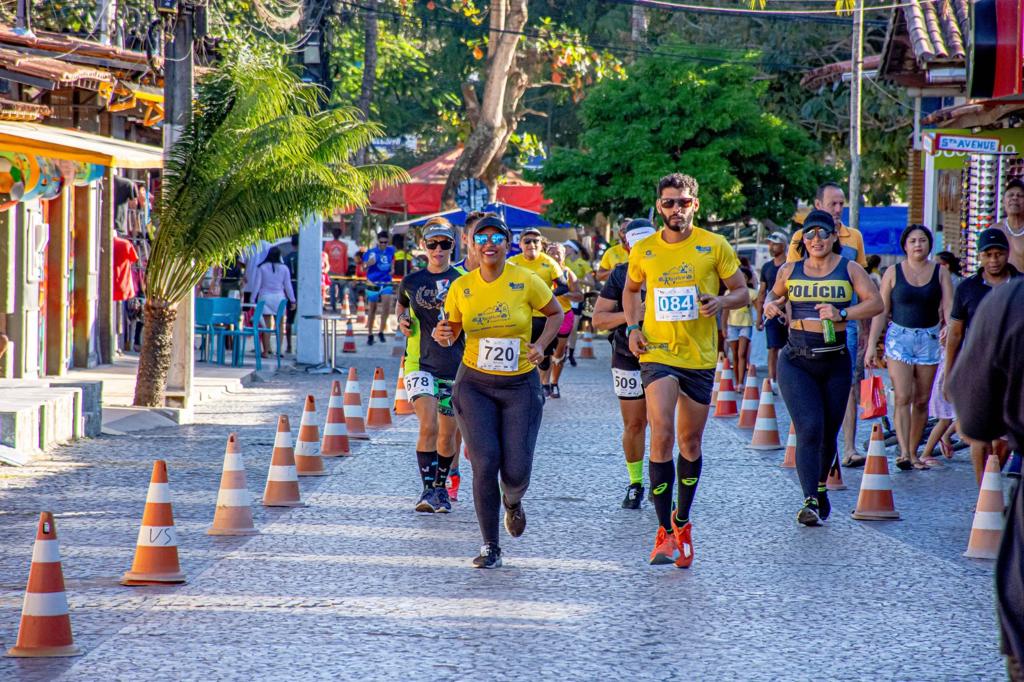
226,315
241,336
277,329
204,325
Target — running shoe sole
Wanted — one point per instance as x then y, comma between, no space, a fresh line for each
496,564
808,517
662,559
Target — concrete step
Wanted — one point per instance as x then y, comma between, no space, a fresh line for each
36,415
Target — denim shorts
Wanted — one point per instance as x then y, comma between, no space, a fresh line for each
736,332
913,346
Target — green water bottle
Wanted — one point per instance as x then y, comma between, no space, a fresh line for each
829,331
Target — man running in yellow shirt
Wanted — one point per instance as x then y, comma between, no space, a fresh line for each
682,267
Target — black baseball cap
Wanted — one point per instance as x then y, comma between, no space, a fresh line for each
492,221
993,238
821,219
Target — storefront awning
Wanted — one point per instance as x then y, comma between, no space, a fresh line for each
75,145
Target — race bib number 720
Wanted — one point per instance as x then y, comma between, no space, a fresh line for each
675,304
498,355
419,383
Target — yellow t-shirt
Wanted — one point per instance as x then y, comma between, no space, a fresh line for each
676,275
544,266
743,317
613,255
496,310
850,238
563,300
580,267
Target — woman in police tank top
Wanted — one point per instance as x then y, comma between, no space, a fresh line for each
814,297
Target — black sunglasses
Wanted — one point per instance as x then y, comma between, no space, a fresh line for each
682,202
443,244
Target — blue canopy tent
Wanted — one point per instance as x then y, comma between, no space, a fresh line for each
881,227
516,218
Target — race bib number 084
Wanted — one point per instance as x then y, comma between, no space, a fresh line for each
675,304
498,355
419,383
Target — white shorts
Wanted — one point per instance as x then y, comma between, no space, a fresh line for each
736,332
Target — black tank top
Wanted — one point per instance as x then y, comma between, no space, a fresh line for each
806,291
916,307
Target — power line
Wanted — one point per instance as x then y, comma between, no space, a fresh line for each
771,15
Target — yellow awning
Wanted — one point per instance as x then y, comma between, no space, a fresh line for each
75,145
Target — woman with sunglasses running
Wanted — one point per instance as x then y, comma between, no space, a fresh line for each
497,396
430,367
814,294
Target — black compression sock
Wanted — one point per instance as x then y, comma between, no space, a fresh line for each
689,476
824,506
662,475
444,465
427,463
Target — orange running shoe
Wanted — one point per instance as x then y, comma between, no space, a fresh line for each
453,482
665,550
684,541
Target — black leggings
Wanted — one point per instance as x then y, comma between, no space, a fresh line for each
499,417
816,390
535,331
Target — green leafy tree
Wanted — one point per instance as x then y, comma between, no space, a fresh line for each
704,121
258,156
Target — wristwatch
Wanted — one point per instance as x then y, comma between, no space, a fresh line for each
842,314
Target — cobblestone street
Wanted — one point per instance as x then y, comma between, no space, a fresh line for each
358,586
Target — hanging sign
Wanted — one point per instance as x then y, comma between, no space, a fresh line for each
961,144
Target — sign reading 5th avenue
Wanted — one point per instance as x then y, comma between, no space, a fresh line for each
966,145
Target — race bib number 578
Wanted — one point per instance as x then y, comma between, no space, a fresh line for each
675,304
498,355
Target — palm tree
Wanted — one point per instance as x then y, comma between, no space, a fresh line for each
258,156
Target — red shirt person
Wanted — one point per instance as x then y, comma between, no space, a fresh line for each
124,255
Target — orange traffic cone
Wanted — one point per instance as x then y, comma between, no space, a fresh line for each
726,405
156,551
718,380
766,426
987,528
835,476
335,440
378,414
587,347
402,404
398,350
233,515
282,481
307,459
789,459
45,628
349,345
361,311
354,407
346,309
875,501
748,408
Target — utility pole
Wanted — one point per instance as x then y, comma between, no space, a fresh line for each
23,19
178,85
105,10
857,74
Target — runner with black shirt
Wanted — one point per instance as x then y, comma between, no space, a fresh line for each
609,315
430,368
775,332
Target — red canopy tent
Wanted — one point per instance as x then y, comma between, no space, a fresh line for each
422,195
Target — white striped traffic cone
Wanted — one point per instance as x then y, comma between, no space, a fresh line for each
875,502
718,381
307,456
987,527
378,414
233,515
156,551
587,347
789,459
335,441
766,425
282,488
402,404
726,404
835,476
748,408
354,421
45,629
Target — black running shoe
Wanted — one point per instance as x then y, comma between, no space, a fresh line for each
425,504
555,391
824,506
369,339
634,494
490,556
808,514
382,338
547,390
515,519
572,357
441,502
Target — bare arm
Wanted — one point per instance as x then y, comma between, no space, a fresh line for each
553,312
762,289
954,339
605,318
946,282
575,294
633,310
878,321
736,297
870,303
775,300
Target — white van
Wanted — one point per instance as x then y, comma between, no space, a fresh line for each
757,254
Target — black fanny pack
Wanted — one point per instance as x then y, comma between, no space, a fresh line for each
816,353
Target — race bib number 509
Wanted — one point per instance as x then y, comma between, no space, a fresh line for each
498,355
675,304
627,383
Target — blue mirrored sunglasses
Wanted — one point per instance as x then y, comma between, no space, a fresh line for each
495,238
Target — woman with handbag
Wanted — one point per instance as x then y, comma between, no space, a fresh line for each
814,295
918,293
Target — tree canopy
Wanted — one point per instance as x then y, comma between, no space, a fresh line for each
706,121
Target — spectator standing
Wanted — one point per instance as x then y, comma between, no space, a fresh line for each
1013,225
124,285
252,258
995,271
273,284
938,407
831,199
776,333
578,261
741,326
405,263
337,262
987,386
918,294
380,263
291,261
